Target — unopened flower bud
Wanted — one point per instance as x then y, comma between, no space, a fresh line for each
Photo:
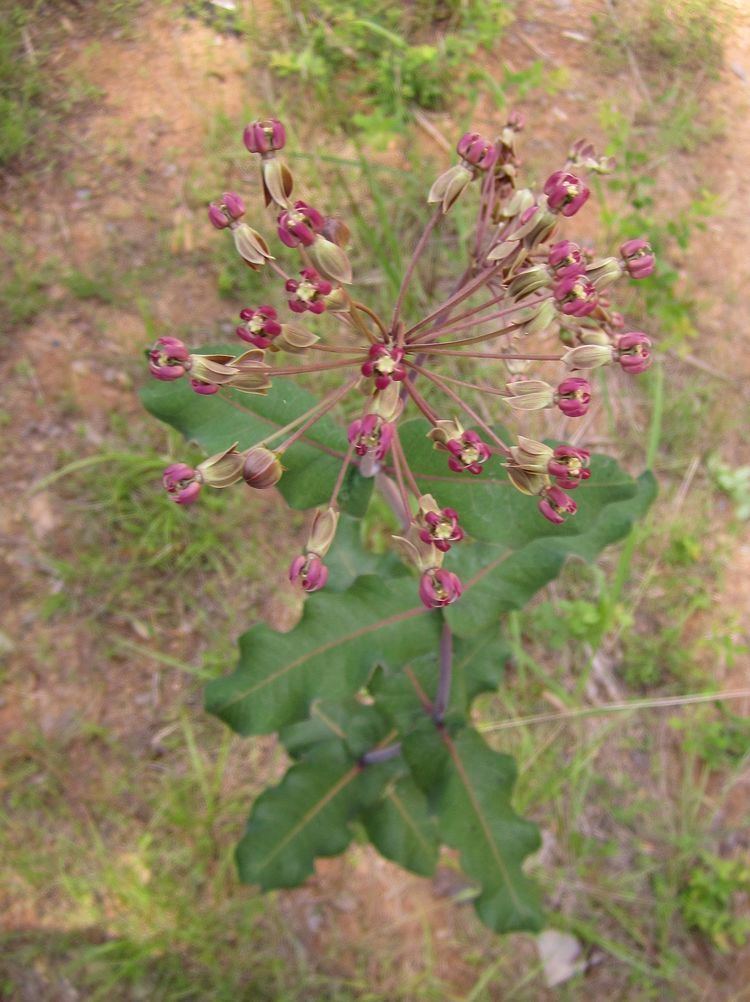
565,192
529,394
569,466
264,136
589,356
555,505
438,588
309,571
322,531
169,359
573,396
638,258
633,351
182,483
262,468
385,364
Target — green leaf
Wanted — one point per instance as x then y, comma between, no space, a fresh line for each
498,579
470,789
401,828
307,815
358,725
348,559
215,422
328,655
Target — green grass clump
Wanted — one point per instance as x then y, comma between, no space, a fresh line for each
21,86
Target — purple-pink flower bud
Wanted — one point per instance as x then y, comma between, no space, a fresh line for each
300,225
638,258
228,210
182,483
576,295
555,504
633,351
309,571
441,528
468,453
371,434
260,327
310,293
385,364
565,192
573,396
476,150
264,136
569,466
169,359
438,588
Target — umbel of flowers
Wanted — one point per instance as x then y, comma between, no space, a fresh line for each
524,280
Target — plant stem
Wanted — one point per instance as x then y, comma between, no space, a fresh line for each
342,473
393,498
489,336
463,293
409,273
381,754
446,672
437,350
328,404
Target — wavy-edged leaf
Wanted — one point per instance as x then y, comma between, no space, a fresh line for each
469,786
358,725
401,828
307,816
215,422
498,579
328,655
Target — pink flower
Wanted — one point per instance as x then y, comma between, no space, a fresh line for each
168,359
565,192
569,466
566,258
476,151
577,295
300,225
309,294
438,588
228,210
573,396
264,136
638,258
182,483
205,389
371,434
309,571
260,327
441,529
384,363
468,453
555,505
633,351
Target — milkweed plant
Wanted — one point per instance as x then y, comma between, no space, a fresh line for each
371,692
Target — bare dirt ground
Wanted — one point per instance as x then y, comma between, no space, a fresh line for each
134,151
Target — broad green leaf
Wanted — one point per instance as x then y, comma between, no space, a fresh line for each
307,815
470,789
328,655
358,725
491,509
498,579
401,829
348,559
215,423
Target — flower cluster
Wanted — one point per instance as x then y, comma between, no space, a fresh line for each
524,280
